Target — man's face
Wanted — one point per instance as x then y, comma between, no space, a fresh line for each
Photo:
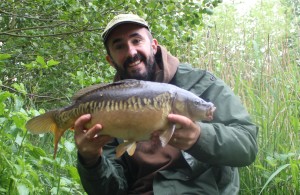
132,52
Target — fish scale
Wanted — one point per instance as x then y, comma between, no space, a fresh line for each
129,109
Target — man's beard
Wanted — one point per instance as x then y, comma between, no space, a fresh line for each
146,76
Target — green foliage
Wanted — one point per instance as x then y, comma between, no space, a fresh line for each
25,167
55,48
49,49
257,54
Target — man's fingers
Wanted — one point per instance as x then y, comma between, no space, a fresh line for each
94,131
179,120
81,121
188,133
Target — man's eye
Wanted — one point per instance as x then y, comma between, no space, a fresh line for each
136,41
118,47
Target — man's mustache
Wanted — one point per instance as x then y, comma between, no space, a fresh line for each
130,60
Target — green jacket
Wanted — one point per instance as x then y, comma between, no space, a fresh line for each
227,142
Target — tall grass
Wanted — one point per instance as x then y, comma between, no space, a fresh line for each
257,54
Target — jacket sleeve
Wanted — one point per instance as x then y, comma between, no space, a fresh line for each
230,139
106,177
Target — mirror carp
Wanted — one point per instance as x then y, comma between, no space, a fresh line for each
128,109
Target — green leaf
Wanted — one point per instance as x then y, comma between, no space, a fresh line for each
274,175
30,65
41,61
73,172
19,140
3,190
46,160
208,11
5,56
4,95
2,119
22,189
19,119
19,87
38,152
85,19
2,107
271,161
52,62
69,146
19,102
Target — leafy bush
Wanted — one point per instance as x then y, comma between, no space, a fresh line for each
56,48
25,167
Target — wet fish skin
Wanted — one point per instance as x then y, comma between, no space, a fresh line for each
127,109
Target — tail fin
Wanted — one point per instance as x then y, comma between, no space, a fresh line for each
45,123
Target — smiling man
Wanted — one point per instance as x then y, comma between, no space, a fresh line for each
132,53
201,158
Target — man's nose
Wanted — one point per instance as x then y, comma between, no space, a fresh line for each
131,51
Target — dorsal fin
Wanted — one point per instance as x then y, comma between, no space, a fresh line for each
101,86
87,90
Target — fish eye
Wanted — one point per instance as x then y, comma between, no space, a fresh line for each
197,103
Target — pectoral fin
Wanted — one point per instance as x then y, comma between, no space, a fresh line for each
167,134
125,146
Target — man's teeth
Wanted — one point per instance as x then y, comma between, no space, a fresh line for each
135,63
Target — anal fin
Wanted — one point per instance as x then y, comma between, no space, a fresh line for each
131,149
125,146
167,134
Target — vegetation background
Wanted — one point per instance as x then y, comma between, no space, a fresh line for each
51,48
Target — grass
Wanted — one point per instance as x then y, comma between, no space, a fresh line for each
257,54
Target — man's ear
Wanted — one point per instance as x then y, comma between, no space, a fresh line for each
154,45
109,60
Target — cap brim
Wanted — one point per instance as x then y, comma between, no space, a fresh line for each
106,33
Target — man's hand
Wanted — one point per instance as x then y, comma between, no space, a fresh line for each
88,142
186,133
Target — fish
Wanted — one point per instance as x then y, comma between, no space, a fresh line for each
128,109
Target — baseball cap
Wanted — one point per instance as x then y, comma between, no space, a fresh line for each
122,19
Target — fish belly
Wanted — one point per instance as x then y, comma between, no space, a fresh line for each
131,125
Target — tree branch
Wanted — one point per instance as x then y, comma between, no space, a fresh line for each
28,17
31,95
50,35
36,27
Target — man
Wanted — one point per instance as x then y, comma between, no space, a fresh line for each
201,158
